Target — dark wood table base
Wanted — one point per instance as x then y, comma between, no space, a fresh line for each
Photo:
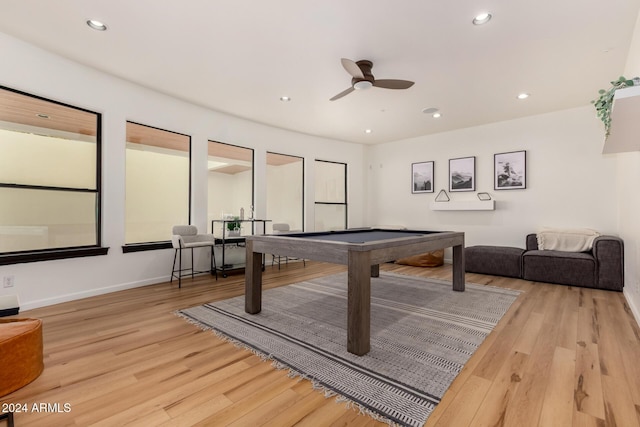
363,261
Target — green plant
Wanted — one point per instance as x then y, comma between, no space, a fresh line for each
604,103
234,225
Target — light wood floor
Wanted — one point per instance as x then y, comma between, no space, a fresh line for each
561,356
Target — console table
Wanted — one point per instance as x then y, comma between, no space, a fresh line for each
258,226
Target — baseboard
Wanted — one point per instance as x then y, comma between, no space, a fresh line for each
9,312
30,305
635,310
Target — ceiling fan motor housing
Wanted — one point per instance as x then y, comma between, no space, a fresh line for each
367,80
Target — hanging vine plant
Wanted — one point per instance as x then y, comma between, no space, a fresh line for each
605,102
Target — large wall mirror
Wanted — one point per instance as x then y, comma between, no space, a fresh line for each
230,186
49,174
331,195
285,191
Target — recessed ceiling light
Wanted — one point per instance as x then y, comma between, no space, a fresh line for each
42,115
523,96
368,131
482,18
285,99
96,25
435,113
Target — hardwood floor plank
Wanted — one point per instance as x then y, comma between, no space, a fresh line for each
323,416
588,325
526,402
499,351
498,398
278,384
588,382
354,419
557,407
270,409
626,336
198,392
611,361
526,341
580,419
198,412
292,416
464,406
619,408
568,334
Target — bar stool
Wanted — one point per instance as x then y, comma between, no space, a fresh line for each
187,237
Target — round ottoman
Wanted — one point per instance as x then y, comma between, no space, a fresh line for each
428,259
20,353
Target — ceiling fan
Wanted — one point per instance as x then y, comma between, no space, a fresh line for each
363,79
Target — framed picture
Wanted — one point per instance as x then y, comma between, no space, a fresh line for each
510,170
422,177
462,174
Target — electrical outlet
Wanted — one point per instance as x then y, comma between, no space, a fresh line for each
8,281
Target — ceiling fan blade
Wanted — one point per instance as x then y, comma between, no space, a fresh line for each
352,68
343,93
393,84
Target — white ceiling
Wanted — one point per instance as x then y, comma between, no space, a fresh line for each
240,57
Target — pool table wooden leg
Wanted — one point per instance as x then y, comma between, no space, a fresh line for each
458,268
375,270
252,280
359,303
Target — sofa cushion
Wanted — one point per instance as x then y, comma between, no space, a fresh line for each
494,260
566,268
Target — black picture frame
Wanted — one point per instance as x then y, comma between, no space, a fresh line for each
462,174
510,170
422,177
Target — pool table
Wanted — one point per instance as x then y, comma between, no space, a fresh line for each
362,250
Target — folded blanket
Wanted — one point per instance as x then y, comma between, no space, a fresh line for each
566,240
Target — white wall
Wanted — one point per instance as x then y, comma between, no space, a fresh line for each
629,200
569,183
30,69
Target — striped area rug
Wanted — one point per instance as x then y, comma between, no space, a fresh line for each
422,334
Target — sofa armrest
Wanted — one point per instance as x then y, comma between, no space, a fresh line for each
609,254
532,242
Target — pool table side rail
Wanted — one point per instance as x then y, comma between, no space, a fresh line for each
337,252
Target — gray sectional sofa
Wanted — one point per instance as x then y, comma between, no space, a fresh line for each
601,268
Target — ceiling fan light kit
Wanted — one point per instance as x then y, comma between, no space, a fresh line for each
362,85
361,78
